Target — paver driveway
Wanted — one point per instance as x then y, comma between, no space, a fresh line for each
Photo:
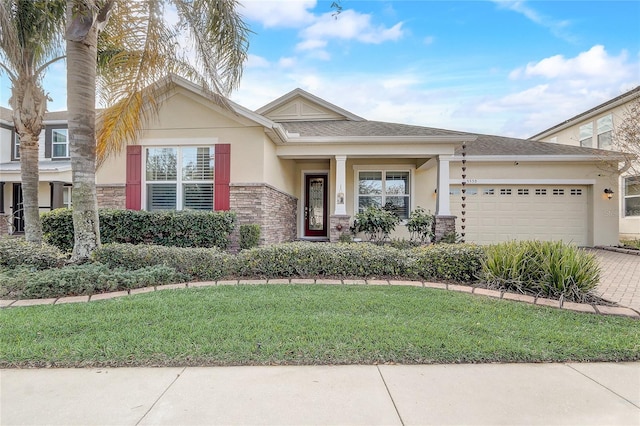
620,280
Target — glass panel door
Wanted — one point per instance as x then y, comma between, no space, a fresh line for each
315,208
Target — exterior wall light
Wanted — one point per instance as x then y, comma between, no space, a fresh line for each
609,192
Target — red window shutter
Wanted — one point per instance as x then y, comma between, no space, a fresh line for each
222,176
134,177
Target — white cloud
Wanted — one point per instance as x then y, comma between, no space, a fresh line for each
429,40
279,13
255,61
311,44
559,28
287,62
351,25
595,62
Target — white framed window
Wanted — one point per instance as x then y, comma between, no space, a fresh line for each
632,196
488,191
523,191
576,191
505,191
16,146
605,131
390,189
557,191
59,143
586,135
179,178
541,191
66,196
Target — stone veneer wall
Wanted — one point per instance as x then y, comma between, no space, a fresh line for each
111,196
339,225
272,209
444,225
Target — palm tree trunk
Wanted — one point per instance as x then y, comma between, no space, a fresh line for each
29,102
81,93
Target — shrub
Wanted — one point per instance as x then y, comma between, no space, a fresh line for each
402,244
167,228
17,251
450,237
303,259
451,262
198,263
376,223
84,279
249,236
551,269
420,225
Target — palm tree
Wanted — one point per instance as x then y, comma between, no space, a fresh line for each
134,47
31,39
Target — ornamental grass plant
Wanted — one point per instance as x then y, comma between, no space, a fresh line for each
546,268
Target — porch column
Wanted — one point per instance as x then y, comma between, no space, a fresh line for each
339,221
442,201
341,185
445,222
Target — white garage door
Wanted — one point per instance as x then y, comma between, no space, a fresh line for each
523,212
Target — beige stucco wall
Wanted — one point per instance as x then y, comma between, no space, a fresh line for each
188,119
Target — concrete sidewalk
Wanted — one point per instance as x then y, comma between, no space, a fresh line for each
484,394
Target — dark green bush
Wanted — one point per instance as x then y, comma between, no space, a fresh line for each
17,251
450,262
84,279
167,228
376,223
420,225
198,263
551,269
249,236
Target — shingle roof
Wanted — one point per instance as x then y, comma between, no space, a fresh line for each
499,145
483,145
337,128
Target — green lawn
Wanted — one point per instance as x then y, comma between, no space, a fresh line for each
307,324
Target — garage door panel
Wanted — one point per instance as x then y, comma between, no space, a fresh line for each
549,213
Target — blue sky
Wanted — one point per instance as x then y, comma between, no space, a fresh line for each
512,68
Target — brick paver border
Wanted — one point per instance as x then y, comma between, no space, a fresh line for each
481,292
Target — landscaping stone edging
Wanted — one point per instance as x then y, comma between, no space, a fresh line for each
497,294
619,250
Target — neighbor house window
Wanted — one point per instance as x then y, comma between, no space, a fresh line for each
16,146
179,178
586,135
59,143
605,131
632,196
388,189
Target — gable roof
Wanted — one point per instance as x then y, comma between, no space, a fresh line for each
364,128
611,103
299,93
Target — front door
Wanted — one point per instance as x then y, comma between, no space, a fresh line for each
18,208
315,206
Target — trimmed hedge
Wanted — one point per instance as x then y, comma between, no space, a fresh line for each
17,251
87,279
197,263
449,262
303,260
167,228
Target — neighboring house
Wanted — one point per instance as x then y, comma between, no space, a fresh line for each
301,167
54,165
596,128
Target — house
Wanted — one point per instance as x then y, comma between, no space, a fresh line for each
54,167
301,167
595,128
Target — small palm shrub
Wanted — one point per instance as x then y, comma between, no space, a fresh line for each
17,251
551,269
